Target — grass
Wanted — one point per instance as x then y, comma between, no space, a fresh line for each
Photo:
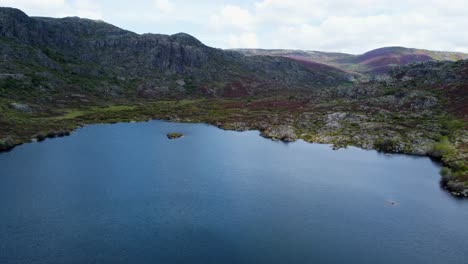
75,113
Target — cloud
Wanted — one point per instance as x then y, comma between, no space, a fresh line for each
238,24
164,6
83,8
232,17
347,26
34,5
244,40
57,8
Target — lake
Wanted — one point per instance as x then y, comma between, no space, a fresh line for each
124,193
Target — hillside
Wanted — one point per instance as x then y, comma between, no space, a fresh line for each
448,78
96,59
378,61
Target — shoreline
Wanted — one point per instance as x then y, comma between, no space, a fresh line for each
224,126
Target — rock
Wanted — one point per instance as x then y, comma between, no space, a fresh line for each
180,82
21,107
6,144
236,126
40,137
465,192
283,132
15,76
174,135
52,134
457,188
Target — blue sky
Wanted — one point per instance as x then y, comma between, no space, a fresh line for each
335,25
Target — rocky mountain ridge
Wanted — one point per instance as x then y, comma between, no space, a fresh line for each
62,54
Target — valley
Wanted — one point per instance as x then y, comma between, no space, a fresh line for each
57,75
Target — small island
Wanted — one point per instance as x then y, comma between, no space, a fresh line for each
174,135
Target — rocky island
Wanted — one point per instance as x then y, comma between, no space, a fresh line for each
174,135
57,75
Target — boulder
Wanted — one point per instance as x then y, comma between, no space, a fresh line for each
283,132
21,107
6,144
174,135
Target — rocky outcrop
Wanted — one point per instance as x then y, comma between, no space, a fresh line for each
106,60
21,107
283,132
6,144
174,135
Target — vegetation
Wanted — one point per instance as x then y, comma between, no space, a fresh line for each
443,149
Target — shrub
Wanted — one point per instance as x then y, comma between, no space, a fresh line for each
443,148
446,172
6,143
450,126
386,145
40,137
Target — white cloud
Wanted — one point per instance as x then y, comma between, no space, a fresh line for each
232,17
243,40
83,8
347,26
57,8
34,5
358,34
163,5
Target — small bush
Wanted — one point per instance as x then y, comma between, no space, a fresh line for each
6,143
443,148
446,172
40,137
458,165
450,126
386,145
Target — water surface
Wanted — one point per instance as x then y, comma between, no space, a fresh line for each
124,193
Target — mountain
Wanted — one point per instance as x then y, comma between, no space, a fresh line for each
378,61
59,57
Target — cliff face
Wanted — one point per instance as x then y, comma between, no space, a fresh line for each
93,55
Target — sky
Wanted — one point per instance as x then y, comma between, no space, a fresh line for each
347,26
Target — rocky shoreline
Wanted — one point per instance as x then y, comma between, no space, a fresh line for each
281,132
286,134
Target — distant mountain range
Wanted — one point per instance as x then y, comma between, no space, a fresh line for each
378,61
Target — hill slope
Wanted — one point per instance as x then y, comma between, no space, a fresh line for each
378,61
96,59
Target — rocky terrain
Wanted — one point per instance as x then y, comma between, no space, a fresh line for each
59,74
94,59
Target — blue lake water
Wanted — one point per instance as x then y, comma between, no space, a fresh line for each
124,193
